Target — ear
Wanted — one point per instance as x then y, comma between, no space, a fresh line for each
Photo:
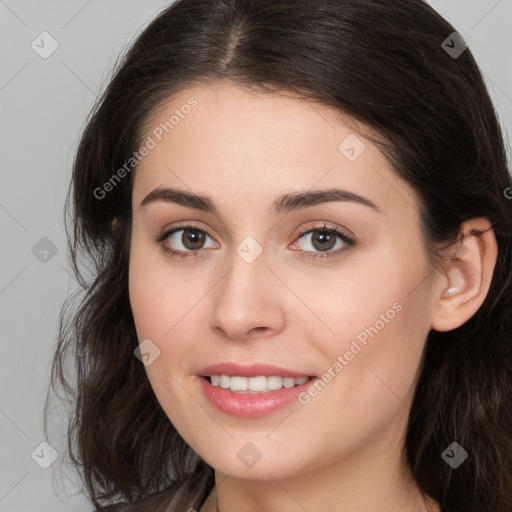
466,276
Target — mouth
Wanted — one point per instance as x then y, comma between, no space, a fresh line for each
255,385
252,397
253,390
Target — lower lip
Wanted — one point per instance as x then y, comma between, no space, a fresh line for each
251,405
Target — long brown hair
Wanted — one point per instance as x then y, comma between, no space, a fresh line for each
385,65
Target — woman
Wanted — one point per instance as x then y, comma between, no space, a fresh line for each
299,220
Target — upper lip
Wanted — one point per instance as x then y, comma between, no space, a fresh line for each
253,370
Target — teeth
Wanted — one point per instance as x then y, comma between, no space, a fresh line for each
259,384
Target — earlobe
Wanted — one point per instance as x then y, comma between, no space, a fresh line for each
468,273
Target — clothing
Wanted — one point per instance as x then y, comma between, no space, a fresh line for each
165,501
187,495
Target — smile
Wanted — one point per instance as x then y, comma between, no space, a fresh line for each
259,384
249,403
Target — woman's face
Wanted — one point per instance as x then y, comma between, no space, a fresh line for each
263,283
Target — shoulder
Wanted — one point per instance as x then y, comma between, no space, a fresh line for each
164,501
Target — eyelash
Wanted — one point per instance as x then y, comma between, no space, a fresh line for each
350,242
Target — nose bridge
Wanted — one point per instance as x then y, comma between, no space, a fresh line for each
245,298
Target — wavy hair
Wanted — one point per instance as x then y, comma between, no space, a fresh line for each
380,63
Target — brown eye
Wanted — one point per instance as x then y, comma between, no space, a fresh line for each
183,241
323,241
326,240
192,239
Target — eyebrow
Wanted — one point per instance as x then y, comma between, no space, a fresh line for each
283,204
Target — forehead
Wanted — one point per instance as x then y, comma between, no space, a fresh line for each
225,141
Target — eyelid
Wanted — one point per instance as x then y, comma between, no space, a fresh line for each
348,239
332,228
166,233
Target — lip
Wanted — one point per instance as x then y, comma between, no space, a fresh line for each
251,405
253,370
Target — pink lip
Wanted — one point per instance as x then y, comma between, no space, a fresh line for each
253,370
250,405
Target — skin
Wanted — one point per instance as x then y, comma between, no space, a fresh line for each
341,451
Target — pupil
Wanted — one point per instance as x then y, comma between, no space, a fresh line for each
192,238
322,237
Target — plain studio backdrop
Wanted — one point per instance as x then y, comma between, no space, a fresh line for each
46,91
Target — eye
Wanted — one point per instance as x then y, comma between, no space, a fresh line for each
188,240
324,240
183,241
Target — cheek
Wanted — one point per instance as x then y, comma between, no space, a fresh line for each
159,311
379,319
381,361
145,302
374,379
368,296
165,304
156,295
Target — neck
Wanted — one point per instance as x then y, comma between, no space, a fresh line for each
283,496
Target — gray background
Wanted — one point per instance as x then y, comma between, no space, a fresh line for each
43,106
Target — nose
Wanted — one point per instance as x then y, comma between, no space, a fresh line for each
248,301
